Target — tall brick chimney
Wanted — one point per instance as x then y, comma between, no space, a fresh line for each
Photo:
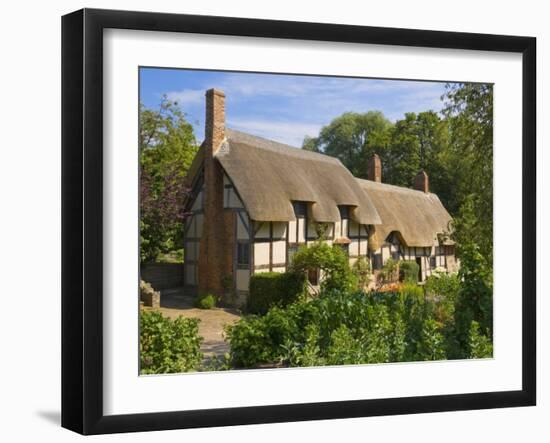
421,182
214,130
216,245
375,169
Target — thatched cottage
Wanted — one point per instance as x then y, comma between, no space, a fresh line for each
253,202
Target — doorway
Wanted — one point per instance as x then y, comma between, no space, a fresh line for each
419,263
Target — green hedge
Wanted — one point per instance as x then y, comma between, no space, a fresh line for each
408,271
270,289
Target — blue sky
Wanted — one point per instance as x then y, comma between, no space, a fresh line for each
285,108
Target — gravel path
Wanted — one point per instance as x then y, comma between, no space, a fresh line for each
175,303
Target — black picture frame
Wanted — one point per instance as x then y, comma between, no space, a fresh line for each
82,239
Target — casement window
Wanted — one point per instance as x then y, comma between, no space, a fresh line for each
300,209
243,255
433,263
344,212
291,251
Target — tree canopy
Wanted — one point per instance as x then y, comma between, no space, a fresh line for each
167,146
454,147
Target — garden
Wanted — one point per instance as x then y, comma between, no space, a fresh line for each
285,325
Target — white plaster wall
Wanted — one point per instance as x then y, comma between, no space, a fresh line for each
243,279
279,252
261,254
292,231
354,247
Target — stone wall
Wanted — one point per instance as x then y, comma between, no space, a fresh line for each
163,275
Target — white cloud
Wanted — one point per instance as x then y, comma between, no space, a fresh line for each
291,133
187,97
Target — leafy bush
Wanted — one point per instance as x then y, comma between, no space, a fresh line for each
408,271
389,272
480,345
270,289
206,301
331,260
474,300
168,346
341,328
449,318
443,288
442,285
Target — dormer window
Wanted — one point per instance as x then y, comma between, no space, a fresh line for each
344,212
300,209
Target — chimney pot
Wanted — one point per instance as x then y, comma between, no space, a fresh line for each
421,182
375,169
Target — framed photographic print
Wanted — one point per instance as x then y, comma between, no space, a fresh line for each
269,221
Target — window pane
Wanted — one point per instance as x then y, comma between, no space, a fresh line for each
300,209
344,211
243,254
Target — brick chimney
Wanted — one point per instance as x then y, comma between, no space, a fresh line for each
421,182
214,130
375,169
216,245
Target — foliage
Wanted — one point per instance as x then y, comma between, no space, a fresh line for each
342,328
469,112
443,288
167,147
168,346
353,138
175,256
269,289
432,341
480,344
217,363
206,301
408,271
332,261
474,300
442,284
362,271
389,272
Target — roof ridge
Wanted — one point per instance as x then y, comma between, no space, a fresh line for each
393,187
274,146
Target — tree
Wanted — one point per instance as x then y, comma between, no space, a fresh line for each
167,146
469,113
353,138
418,142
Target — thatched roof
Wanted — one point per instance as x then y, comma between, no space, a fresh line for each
417,217
270,175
